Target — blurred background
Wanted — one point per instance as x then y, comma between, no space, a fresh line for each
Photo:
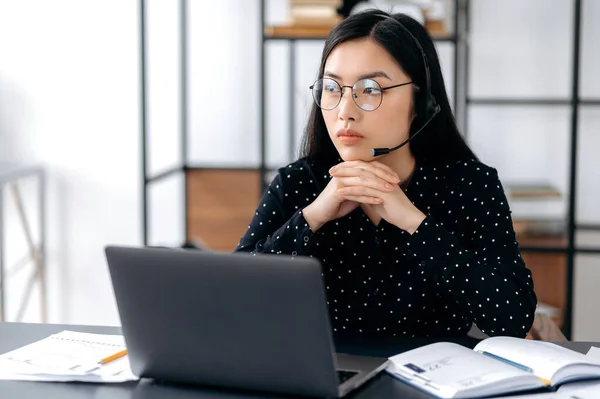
159,122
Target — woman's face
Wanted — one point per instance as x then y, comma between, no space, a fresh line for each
354,131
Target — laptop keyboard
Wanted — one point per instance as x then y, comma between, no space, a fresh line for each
345,375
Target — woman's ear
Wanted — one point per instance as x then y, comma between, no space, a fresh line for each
413,111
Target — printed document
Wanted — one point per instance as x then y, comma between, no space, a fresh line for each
69,356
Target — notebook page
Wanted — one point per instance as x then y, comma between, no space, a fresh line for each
581,386
446,369
544,358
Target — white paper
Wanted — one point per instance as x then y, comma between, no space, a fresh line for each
580,386
576,390
543,395
68,356
594,353
592,391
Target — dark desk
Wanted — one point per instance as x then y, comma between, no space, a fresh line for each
14,335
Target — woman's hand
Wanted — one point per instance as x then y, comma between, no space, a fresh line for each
364,181
330,205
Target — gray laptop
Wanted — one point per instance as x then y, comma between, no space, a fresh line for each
231,319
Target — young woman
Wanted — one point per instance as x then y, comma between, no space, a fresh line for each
416,242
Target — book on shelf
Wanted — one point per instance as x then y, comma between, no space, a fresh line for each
539,227
533,190
329,3
315,22
538,208
496,366
298,31
314,14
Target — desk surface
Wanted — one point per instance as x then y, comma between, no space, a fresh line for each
14,335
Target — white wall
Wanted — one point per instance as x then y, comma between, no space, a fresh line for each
69,100
163,88
65,74
163,123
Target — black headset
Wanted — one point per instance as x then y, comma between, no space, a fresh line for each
431,106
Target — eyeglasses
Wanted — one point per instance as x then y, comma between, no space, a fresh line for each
366,93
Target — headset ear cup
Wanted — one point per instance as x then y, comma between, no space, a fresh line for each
432,107
424,108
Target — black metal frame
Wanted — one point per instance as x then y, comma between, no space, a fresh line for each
184,107
571,249
143,118
462,101
573,168
460,29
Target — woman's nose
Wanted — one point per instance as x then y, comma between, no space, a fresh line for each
348,108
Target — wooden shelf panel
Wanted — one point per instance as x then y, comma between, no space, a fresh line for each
321,32
297,32
542,240
220,205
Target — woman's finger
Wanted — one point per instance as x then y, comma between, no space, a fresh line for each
364,180
363,199
383,172
390,177
361,191
384,167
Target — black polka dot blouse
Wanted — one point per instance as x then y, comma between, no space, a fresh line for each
461,266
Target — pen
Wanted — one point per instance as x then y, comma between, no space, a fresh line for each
113,357
515,364
520,366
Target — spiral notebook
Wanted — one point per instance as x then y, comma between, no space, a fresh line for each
69,356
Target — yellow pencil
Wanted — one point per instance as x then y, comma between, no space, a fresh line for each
545,381
113,357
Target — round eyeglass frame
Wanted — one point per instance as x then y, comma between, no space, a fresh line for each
382,89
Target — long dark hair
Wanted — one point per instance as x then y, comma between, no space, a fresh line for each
440,141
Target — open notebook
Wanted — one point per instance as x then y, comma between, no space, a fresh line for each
497,365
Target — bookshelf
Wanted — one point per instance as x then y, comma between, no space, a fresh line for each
549,256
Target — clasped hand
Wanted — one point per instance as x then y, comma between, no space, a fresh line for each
371,185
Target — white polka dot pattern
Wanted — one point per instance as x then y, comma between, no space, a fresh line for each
462,265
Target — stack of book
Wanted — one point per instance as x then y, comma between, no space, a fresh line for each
538,208
314,12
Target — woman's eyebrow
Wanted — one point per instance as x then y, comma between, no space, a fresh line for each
376,74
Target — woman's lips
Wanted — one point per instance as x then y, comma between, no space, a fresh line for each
349,140
349,136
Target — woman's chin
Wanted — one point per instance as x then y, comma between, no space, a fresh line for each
355,154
